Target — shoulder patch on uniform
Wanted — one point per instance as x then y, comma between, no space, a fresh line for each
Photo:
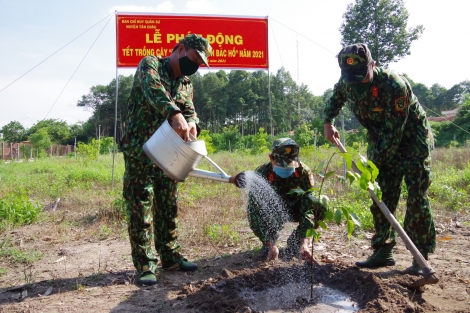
401,104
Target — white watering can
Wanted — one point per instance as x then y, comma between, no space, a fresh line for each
177,158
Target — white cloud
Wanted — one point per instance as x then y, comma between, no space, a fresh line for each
201,7
165,7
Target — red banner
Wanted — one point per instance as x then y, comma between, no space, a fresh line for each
237,42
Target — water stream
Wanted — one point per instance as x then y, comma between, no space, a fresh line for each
292,296
295,297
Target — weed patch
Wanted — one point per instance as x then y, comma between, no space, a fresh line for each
17,209
222,233
11,253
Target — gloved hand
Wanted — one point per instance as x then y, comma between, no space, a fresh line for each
239,180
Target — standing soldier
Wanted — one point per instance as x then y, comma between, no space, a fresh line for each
161,91
399,143
284,172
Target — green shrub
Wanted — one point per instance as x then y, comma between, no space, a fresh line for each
17,209
204,135
88,151
260,142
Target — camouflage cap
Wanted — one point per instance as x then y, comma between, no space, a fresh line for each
354,61
200,44
286,152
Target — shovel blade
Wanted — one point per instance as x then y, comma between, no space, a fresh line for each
427,280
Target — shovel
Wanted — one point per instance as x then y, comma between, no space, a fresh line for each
428,272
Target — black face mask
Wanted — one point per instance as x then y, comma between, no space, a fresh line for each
187,67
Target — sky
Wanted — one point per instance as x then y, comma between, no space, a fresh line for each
42,75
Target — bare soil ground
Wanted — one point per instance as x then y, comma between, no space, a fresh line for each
87,276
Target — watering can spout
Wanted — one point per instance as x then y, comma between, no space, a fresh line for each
238,180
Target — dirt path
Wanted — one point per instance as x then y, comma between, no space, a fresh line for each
98,277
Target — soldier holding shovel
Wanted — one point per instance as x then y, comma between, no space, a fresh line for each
399,141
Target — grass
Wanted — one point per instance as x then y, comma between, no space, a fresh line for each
9,251
211,213
16,209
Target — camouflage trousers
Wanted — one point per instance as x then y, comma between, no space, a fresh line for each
418,223
151,199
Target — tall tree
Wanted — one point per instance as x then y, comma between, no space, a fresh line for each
13,132
101,100
439,93
381,24
58,130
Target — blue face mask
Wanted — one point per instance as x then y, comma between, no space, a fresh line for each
283,172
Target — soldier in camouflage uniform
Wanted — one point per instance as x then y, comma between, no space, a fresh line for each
285,172
161,91
399,140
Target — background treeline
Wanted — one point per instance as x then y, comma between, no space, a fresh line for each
234,108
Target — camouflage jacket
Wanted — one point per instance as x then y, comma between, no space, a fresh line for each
395,121
154,96
302,178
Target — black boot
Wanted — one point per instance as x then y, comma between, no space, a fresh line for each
381,257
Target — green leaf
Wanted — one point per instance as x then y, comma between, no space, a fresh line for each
351,177
348,158
378,191
338,217
324,200
363,160
354,218
363,184
313,233
329,215
296,191
322,225
350,228
312,189
360,167
345,212
329,174
365,179
312,197
375,170
321,165
316,235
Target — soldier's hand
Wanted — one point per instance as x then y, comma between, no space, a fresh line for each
331,133
192,129
180,126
